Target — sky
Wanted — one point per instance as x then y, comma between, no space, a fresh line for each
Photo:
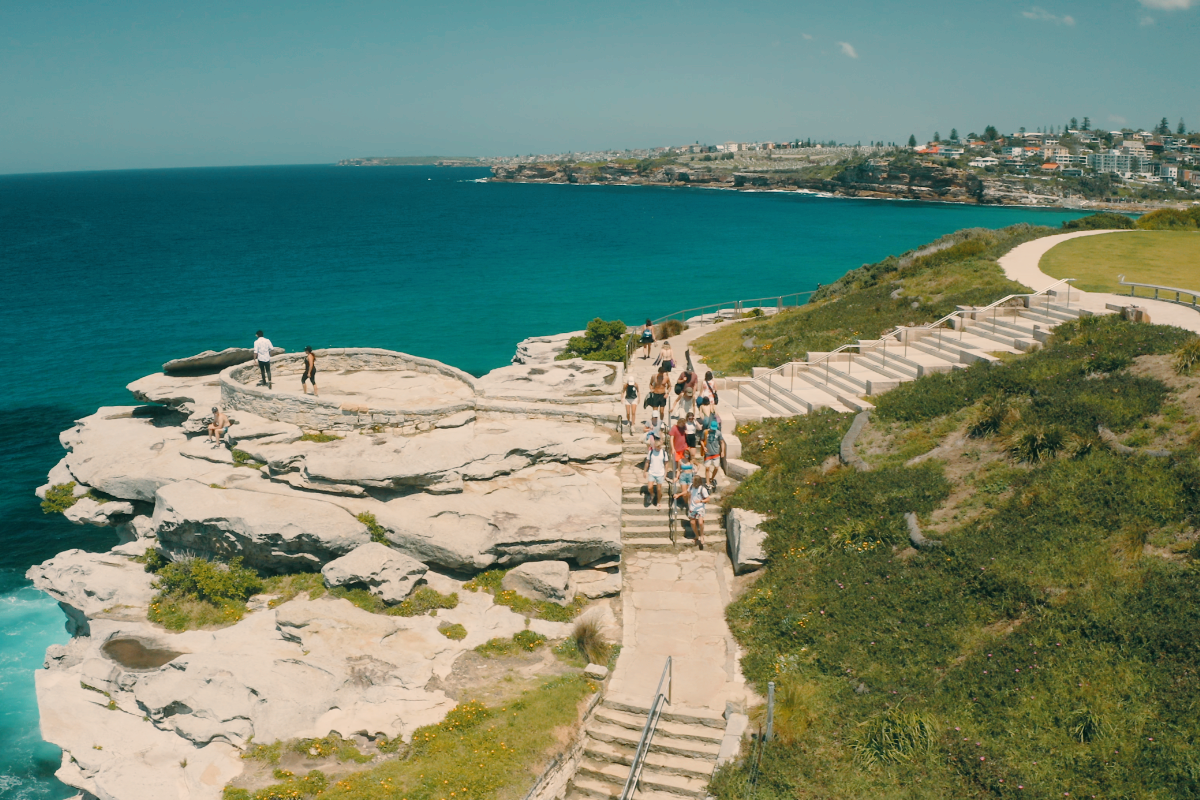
88,85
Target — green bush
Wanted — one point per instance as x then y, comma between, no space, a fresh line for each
453,631
522,641
59,498
602,341
1166,219
152,558
320,437
243,459
1103,221
672,328
195,592
1032,445
1187,358
377,531
423,601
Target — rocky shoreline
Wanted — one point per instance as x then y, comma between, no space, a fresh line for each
524,479
930,183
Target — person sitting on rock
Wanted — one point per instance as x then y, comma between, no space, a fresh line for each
217,427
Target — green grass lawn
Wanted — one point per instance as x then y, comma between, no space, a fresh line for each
1168,258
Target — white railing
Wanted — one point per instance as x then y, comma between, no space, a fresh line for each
643,746
768,378
1178,292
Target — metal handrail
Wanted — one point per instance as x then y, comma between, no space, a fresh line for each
643,746
1133,285
769,376
736,305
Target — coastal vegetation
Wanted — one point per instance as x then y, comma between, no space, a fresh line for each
913,289
59,498
1163,257
490,581
476,753
603,340
1047,647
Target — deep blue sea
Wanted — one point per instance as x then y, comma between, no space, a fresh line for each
104,276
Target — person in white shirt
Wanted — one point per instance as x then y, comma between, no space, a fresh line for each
262,351
697,497
655,471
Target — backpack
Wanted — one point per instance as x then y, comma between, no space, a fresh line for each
647,336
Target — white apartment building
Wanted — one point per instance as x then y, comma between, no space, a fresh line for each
1115,161
986,161
1012,152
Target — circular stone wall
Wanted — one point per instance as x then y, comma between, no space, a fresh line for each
361,387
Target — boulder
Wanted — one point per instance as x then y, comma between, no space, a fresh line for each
86,584
211,361
542,349
573,380
187,395
547,512
746,539
387,574
596,583
87,511
596,672
122,452
439,461
540,580
270,532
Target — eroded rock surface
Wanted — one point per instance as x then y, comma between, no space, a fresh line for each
573,380
86,584
540,580
270,532
387,574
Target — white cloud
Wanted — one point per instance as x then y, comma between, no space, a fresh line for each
1042,15
1117,119
1146,21
807,36
848,49
1168,5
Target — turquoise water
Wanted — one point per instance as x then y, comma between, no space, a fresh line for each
106,275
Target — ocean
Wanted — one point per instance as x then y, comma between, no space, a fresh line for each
104,276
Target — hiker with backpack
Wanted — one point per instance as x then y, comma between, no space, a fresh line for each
647,338
714,452
685,393
697,497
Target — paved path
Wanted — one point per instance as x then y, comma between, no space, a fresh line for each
674,605
1021,264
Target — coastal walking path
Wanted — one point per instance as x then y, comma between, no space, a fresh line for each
1021,264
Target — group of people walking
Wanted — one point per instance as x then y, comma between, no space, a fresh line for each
697,445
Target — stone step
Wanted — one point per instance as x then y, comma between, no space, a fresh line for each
591,789
667,763
714,544
830,381
1007,337
1006,325
1041,311
673,728
776,399
711,533
688,716
1071,311
663,743
961,355
857,374
892,365
685,785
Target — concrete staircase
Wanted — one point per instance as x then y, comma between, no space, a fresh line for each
843,380
682,754
645,526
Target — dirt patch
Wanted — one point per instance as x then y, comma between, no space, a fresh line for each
497,680
1177,425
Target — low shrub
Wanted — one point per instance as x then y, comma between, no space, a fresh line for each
320,437
673,327
589,639
525,641
243,459
287,587
992,418
153,559
195,593
1187,358
491,582
1035,444
59,498
329,746
377,531
601,341
1167,219
891,737
1102,221
423,601
453,631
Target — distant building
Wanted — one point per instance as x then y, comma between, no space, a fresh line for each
1012,152
1050,166
986,161
1118,161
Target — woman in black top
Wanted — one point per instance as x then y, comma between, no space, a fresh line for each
310,371
631,396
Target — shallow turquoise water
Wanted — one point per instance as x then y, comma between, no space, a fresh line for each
106,275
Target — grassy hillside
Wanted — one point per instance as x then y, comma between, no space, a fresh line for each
1049,648
957,269
1168,258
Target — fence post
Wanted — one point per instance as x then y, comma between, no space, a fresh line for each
770,711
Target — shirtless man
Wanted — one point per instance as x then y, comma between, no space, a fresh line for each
217,426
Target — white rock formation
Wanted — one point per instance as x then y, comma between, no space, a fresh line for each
596,583
746,539
270,532
387,574
86,584
184,394
86,511
57,476
573,380
542,349
540,580
438,461
545,512
212,361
